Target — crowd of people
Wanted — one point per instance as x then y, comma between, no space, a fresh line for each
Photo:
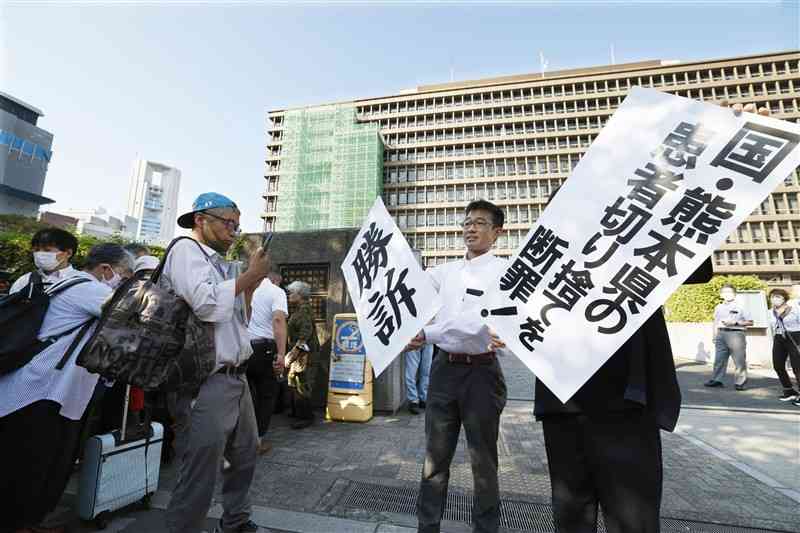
603,445
50,404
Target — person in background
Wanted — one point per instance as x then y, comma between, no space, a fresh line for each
417,390
268,338
785,323
217,420
730,321
52,249
144,265
137,250
301,361
42,408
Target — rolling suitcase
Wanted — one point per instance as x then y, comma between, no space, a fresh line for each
117,472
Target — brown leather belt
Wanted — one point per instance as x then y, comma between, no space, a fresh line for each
485,358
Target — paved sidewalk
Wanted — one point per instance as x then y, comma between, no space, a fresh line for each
310,474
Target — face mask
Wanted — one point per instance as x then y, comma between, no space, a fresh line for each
47,261
114,282
777,301
728,296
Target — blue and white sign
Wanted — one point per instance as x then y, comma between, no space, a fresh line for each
349,357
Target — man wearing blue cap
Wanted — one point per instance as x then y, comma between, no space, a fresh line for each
219,420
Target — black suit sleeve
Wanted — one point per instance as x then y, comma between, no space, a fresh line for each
703,273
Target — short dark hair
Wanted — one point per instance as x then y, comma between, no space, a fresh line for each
110,253
135,248
779,292
61,239
498,217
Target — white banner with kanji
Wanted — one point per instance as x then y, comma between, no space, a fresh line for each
662,186
393,297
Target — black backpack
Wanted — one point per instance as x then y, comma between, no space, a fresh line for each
21,317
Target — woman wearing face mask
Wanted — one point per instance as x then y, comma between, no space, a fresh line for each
52,250
42,408
730,321
785,321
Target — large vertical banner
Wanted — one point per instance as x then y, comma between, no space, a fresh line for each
660,188
393,297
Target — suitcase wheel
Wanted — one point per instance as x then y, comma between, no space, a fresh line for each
145,502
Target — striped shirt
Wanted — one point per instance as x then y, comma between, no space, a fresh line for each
72,386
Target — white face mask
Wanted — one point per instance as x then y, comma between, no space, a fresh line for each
728,296
114,282
777,301
47,261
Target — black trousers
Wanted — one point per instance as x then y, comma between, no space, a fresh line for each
782,348
38,447
473,396
262,381
613,460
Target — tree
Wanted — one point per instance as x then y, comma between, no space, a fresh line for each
15,244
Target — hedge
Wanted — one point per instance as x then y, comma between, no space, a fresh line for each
696,303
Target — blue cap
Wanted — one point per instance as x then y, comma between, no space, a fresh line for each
207,200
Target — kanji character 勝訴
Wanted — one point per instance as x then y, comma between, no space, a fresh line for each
371,255
396,293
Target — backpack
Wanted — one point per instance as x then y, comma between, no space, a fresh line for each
21,317
150,338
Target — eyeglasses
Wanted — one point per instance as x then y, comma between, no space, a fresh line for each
479,224
230,224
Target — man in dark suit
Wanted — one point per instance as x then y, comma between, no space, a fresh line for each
604,444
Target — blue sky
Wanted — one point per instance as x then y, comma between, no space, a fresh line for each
189,85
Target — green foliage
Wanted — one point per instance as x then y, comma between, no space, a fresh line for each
15,244
696,303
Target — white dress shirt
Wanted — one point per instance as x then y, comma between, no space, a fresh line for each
208,284
48,279
267,299
72,386
731,311
457,327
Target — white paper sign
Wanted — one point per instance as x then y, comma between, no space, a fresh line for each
393,297
662,186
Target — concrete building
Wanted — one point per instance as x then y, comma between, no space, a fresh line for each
98,223
153,201
513,139
58,220
25,153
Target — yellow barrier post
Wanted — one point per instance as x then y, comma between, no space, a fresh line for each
350,379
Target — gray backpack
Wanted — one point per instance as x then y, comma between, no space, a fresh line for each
149,337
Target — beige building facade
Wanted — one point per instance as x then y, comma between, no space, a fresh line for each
512,140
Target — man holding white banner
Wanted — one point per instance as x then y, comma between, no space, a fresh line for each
467,386
662,186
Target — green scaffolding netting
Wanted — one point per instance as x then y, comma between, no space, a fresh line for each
331,169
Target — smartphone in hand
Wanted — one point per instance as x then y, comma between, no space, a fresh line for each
266,240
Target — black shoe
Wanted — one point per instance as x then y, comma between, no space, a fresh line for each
422,405
796,402
788,396
713,383
413,408
740,387
247,527
302,424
